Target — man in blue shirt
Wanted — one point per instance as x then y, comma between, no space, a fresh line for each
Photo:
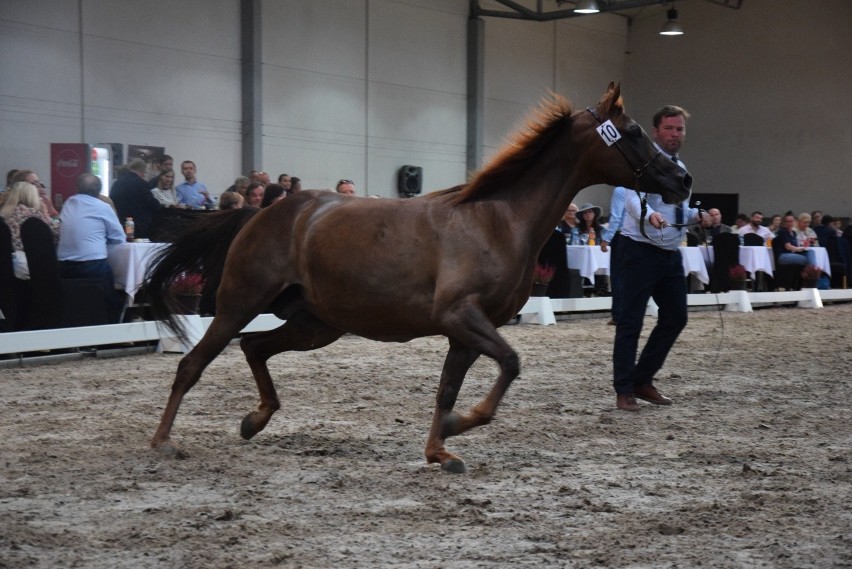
87,225
651,268
611,238
192,192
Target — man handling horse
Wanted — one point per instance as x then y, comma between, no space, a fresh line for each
651,268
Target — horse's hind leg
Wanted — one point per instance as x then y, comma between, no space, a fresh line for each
299,333
458,361
188,373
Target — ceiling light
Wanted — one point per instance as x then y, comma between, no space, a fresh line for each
587,7
671,27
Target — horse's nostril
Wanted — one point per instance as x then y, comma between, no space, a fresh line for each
687,182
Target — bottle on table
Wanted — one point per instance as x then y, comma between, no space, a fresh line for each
129,228
592,237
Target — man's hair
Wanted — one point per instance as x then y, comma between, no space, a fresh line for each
88,184
137,165
669,111
756,213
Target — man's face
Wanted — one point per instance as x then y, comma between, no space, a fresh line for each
789,222
669,134
803,223
346,189
715,217
167,165
756,219
188,169
254,197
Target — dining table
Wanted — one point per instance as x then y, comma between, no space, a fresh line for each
591,261
753,257
129,261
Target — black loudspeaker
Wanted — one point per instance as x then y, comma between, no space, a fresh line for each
410,181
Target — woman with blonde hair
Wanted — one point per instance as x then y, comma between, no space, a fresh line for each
23,202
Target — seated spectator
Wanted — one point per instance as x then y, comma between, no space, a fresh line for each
754,226
816,219
254,194
710,227
774,224
345,187
272,194
163,163
568,225
804,233
23,202
32,178
88,224
786,247
132,197
740,222
260,177
164,190
587,224
231,200
239,186
295,185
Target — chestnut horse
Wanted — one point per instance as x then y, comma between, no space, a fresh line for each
457,262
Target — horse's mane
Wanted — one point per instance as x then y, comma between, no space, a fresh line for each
546,121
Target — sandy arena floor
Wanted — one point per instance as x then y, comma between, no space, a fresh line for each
749,468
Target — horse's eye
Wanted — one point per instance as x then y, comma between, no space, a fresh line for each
634,132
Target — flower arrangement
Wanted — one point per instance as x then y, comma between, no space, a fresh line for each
187,283
737,273
811,273
544,274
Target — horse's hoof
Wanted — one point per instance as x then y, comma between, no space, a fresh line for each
454,466
170,449
248,428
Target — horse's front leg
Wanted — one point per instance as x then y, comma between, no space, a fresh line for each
471,327
458,361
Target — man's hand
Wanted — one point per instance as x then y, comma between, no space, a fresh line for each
656,219
603,245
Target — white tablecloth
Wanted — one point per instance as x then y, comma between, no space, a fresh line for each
128,262
753,258
822,259
592,261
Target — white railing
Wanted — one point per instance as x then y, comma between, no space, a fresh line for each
537,310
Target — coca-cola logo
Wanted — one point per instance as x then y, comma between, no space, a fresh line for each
68,164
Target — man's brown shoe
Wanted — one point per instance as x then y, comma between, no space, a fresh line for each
626,403
650,394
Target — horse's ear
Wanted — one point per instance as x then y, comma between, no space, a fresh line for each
611,104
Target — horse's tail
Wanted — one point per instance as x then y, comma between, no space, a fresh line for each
200,250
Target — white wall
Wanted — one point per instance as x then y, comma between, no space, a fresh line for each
768,88
357,88
153,73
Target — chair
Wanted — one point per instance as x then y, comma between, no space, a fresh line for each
567,282
839,258
753,240
58,302
8,282
726,254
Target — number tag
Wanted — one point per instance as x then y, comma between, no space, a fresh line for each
609,133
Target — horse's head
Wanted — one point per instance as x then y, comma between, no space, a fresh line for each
624,155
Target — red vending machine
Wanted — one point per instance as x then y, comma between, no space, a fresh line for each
69,160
